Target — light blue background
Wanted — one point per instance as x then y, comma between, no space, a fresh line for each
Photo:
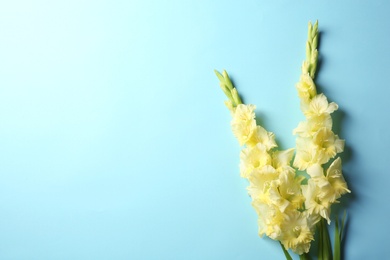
115,143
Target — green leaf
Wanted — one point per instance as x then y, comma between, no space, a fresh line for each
338,236
286,254
325,248
343,224
337,242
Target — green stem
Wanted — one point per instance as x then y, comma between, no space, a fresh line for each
304,257
286,254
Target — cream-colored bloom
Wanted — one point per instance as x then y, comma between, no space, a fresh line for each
244,123
253,158
306,88
269,219
335,177
325,190
260,181
317,150
276,199
313,202
337,185
262,136
315,171
318,107
286,192
310,127
332,185
281,160
307,154
328,143
290,189
297,232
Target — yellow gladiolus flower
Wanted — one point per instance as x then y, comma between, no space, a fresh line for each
270,219
332,185
287,209
297,232
281,160
306,88
260,181
315,171
307,154
313,202
310,128
290,189
253,158
262,136
336,179
328,143
275,197
318,107
243,123
285,192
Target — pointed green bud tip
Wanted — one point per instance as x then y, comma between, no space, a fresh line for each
236,97
219,75
227,80
309,30
315,42
226,90
315,27
225,74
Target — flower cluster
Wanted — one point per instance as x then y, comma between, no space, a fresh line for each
290,204
276,190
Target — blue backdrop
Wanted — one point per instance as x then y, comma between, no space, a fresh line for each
115,143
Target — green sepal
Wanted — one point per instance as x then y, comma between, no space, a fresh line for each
227,87
308,51
315,42
228,82
315,28
309,31
313,64
236,97
226,91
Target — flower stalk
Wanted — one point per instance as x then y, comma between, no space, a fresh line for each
290,206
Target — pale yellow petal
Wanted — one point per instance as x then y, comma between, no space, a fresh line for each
297,232
306,88
253,158
244,123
